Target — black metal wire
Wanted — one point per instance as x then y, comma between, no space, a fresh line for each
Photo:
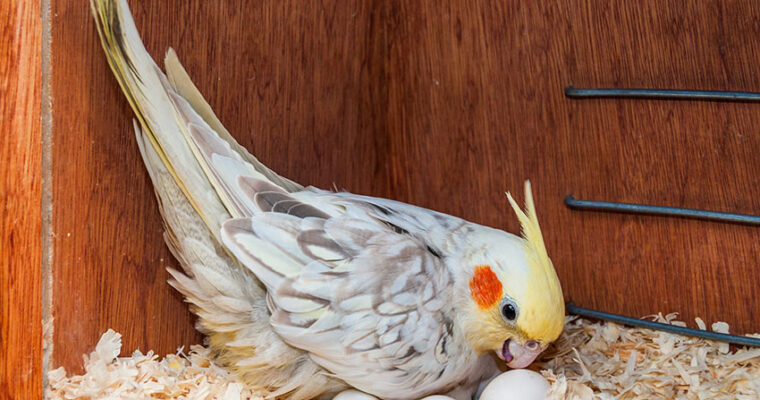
574,203
621,319
662,94
630,208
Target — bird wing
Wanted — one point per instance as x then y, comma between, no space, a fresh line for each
369,303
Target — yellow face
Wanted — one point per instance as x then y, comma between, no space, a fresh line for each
517,329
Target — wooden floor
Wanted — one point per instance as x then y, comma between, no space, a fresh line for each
441,104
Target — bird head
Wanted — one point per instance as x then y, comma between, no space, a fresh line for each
510,298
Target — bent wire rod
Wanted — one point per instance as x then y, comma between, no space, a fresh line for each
643,323
662,94
629,208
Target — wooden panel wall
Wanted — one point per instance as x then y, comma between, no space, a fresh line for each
20,196
441,104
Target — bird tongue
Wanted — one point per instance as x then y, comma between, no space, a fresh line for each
516,355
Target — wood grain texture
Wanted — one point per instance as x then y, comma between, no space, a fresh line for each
20,194
441,104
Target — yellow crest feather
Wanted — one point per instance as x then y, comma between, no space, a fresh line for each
531,231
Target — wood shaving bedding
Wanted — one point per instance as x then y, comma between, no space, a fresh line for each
592,360
598,360
191,376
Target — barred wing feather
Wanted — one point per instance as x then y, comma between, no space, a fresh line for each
352,291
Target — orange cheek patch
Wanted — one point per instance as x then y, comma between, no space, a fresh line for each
485,287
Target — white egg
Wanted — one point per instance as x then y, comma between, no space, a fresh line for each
517,384
352,394
437,397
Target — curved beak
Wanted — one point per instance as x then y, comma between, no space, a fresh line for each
519,355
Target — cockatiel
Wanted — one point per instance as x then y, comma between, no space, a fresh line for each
304,292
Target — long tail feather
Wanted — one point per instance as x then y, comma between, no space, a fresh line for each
196,168
141,81
197,150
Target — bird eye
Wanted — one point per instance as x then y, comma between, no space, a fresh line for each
509,310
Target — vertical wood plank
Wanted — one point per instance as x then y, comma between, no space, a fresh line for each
20,194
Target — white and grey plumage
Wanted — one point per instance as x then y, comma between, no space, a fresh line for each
303,292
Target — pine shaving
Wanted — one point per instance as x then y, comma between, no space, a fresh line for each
190,376
592,360
598,360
